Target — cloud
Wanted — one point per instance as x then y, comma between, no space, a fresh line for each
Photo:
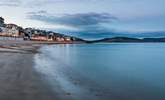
36,13
10,2
47,2
84,22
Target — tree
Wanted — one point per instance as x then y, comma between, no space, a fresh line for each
0,30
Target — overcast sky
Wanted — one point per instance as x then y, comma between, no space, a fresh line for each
86,17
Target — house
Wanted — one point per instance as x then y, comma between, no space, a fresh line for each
13,30
67,38
39,38
60,39
10,29
42,35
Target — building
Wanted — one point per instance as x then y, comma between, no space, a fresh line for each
67,38
13,30
39,38
42,35
60,39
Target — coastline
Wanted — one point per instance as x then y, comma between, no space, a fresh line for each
19,80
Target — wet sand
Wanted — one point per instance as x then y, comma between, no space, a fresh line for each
18,79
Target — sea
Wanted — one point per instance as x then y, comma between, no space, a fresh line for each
104,71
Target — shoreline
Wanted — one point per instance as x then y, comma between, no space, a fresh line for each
19,80
23,81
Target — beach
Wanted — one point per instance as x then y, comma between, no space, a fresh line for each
18,79
35,71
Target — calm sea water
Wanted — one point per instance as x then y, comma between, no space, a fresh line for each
118,71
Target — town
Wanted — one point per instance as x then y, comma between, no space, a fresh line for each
13,31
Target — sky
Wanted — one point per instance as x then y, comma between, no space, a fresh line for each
87,18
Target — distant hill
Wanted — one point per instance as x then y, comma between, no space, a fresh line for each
128,40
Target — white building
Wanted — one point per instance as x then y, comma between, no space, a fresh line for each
13,31
10,30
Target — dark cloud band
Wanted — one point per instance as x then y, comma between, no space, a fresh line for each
87,22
